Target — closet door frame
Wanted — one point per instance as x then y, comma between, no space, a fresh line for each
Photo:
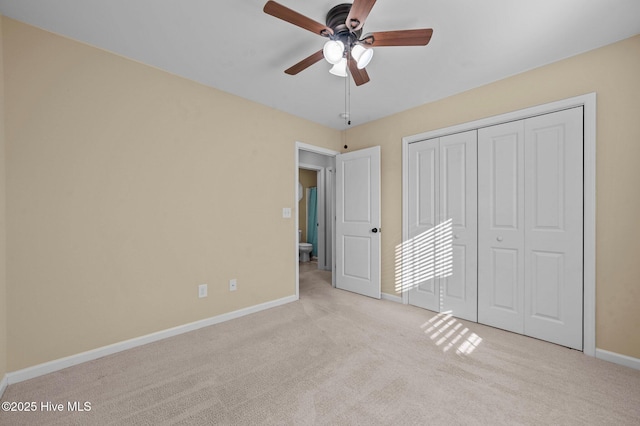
588,102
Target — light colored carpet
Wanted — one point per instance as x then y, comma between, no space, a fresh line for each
338,358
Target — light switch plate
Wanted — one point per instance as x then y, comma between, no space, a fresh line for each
202,291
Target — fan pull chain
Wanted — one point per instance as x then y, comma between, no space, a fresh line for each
347,105
347,98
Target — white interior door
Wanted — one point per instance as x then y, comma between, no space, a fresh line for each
358,222
440,258
501,226
553,227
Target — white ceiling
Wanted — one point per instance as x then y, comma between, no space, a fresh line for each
233,46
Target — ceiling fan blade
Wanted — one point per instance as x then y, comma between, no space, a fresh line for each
279,11
360,76
398,38
305,63
358,14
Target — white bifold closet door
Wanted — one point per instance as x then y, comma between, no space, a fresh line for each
439,261
530,226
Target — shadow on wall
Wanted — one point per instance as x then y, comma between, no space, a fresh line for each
426,256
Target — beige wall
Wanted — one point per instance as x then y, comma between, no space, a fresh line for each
127,187
3,235
308,179
613,72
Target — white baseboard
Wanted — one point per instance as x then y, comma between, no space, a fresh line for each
391,297
3,385
59,364
625,360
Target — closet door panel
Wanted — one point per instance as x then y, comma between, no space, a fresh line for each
458,219
553,227
419,274
501,226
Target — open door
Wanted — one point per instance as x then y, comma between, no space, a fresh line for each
358,222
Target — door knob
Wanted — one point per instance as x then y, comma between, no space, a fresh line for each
456,236
374,230
499,239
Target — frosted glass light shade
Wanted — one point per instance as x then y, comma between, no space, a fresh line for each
361,55
339,69
333,51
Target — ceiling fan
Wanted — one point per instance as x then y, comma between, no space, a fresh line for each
345,47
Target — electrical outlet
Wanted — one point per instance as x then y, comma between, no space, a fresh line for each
202,291
233,285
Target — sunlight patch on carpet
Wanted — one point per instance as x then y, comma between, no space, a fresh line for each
447,332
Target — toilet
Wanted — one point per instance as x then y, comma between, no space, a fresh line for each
304,248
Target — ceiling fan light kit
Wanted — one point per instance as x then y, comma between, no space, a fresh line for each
333,51
361,55
345,49
339,68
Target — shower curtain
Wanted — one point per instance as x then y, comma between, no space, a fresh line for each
312,220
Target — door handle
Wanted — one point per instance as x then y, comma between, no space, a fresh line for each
374,230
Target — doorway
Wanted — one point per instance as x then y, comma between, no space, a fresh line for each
354,218
322,162
314,211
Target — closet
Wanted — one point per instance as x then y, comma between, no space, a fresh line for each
496,226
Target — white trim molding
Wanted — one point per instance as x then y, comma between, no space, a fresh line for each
588,102
616,358
3,385
391,297
59,364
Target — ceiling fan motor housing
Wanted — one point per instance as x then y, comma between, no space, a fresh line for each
336,20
